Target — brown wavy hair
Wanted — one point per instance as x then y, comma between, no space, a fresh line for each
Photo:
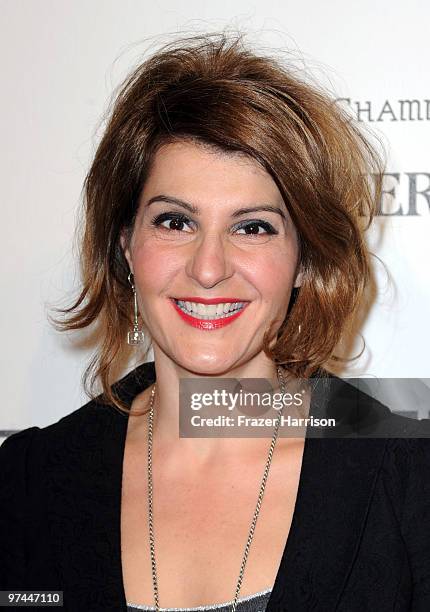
212,89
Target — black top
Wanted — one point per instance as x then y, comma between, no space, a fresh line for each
359,538
252,603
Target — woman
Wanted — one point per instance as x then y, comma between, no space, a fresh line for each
224,219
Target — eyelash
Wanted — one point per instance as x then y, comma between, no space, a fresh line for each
159,219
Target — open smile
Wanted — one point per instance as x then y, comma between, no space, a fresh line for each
209,314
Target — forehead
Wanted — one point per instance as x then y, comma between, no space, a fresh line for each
194,169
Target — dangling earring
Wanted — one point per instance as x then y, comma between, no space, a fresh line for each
300,329
135,335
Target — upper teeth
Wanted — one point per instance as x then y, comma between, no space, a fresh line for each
209,310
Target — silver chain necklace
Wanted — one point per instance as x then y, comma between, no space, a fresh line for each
257,509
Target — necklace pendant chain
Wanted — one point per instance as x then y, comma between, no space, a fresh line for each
281,381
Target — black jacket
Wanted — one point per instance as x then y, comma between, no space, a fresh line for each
359,539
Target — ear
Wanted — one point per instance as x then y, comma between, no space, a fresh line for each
125,245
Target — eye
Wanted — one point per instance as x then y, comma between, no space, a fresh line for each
251,227
175,222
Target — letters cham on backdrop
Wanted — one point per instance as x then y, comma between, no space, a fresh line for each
415,184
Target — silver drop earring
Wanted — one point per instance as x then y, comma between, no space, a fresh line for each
135,335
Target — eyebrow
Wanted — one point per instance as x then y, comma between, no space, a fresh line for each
237,213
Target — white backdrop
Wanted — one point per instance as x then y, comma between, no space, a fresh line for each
61,60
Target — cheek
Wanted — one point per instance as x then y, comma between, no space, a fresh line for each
153,268
274,273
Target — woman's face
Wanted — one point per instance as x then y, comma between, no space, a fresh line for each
211,227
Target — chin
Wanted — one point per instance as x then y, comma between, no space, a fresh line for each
204,364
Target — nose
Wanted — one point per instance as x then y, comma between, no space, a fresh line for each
209,262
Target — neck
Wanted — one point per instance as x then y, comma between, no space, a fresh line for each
199,450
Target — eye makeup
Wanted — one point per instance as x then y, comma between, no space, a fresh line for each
181,220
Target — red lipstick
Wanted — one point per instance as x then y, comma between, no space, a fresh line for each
217,300
208,324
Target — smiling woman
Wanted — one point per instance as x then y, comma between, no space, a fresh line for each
220,248
224,220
